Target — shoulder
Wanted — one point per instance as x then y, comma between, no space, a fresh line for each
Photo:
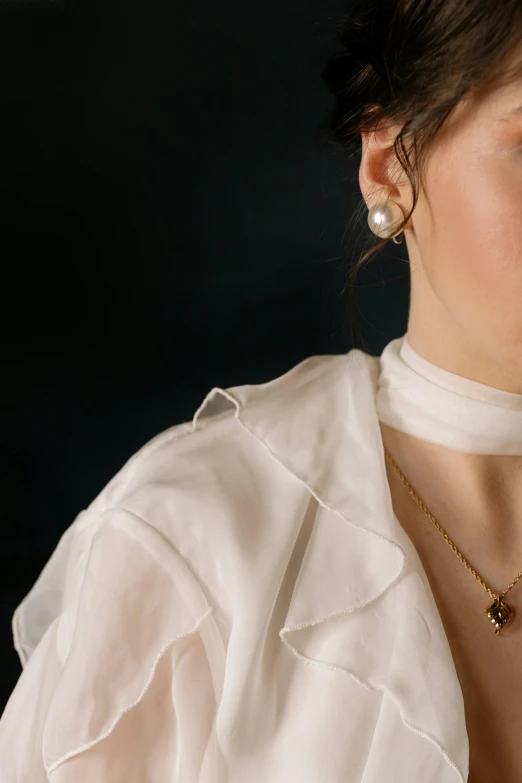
226,433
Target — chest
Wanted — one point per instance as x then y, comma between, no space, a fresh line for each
487,665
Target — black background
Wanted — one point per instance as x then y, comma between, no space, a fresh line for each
169,222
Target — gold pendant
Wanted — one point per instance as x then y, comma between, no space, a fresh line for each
500,613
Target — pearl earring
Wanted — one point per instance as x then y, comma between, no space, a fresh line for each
384,218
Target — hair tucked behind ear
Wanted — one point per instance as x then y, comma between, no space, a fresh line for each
409,63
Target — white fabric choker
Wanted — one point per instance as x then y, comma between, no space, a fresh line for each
423,400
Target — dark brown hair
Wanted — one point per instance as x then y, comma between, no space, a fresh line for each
410,63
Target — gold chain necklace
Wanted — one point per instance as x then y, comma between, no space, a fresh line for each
499,612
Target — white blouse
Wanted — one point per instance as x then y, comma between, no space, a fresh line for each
240,605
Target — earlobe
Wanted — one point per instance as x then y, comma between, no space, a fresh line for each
385,219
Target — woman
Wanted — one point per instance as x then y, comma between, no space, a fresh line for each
316,579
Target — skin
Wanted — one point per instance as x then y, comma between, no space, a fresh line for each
464,244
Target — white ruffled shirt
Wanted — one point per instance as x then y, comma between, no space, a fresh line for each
240,603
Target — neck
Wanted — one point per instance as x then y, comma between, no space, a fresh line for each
465,345
476,498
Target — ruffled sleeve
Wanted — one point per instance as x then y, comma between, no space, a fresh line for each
123,663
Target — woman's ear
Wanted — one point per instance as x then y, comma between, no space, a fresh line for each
381,175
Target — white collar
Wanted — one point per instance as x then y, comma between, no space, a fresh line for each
428,402
362,605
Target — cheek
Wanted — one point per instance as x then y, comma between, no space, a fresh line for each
474,238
